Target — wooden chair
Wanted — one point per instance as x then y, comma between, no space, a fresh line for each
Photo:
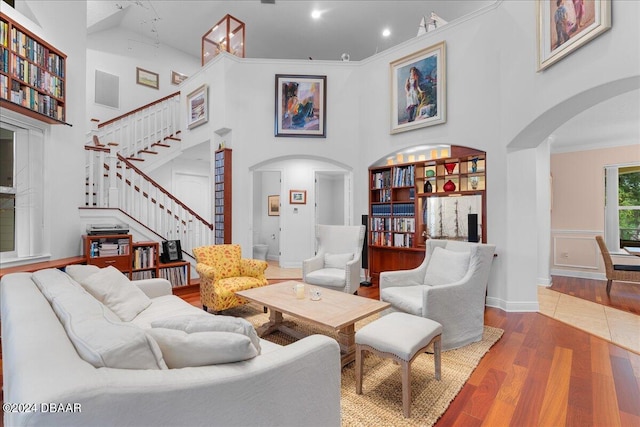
621,272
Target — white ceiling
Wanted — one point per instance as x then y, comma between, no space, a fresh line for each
282,30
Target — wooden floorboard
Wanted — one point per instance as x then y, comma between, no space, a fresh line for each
623,296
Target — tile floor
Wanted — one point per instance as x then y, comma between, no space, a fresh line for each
619,327
611,324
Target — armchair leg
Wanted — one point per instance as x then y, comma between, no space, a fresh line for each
609,286
204,307
264,308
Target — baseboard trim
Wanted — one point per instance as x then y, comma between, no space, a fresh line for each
513,306
579,274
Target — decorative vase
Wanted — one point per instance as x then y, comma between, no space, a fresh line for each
428,188
449,186
474,164
450,167
430,173
474,182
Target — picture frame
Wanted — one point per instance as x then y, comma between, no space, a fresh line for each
273,205
197,107
147,78
177,78
582,21
301,106
428,103
298,197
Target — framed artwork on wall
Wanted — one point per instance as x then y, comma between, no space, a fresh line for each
565,25
301,106
273,205
147,78
177,78
197,107
298,197
418,89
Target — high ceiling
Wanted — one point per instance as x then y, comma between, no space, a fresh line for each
283,29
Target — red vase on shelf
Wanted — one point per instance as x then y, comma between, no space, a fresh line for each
449,186
450,167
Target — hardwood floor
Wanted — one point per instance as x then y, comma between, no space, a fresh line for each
624,296
543,372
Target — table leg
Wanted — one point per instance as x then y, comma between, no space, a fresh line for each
274,323
347,341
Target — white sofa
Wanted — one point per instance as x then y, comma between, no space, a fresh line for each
46,382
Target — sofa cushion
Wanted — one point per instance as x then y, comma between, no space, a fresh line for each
329,277
210,323
115,290
446,266
99,338
80,272
406,298
181,349
337,260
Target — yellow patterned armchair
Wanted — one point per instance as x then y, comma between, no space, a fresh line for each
222,272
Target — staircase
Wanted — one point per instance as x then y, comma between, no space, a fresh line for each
115,177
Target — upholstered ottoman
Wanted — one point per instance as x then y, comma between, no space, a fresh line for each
401,337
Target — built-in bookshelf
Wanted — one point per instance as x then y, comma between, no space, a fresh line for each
32,74
222,194
439,198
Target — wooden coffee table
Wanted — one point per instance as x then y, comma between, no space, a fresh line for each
336,310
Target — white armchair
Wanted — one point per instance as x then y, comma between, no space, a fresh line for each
449,287
337,261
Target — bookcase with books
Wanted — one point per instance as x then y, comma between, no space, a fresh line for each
438,195
137,260
109,250
32,74
144,260
222,194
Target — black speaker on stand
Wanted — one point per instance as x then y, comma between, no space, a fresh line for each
472,222
365,252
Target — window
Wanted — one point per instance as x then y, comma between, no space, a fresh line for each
7,191
21,191
622,206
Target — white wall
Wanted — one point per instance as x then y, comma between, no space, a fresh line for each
497,102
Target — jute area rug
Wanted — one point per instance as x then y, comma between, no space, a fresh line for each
381,401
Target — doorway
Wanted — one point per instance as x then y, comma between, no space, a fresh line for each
331,192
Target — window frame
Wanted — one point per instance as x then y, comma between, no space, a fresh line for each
612,208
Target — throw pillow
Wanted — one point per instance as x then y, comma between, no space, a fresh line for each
210,323
181,350
115,290
81,272
337,260
446,266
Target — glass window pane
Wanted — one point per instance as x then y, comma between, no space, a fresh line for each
629,186
7,222
629,225
6,158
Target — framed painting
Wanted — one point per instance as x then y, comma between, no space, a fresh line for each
301,106
566,25
418,89
197,107
147,78
177,78
298,197
273,205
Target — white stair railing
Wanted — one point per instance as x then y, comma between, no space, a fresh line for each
115,182
142,129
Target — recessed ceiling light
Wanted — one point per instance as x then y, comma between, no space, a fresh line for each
386,32
316,14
